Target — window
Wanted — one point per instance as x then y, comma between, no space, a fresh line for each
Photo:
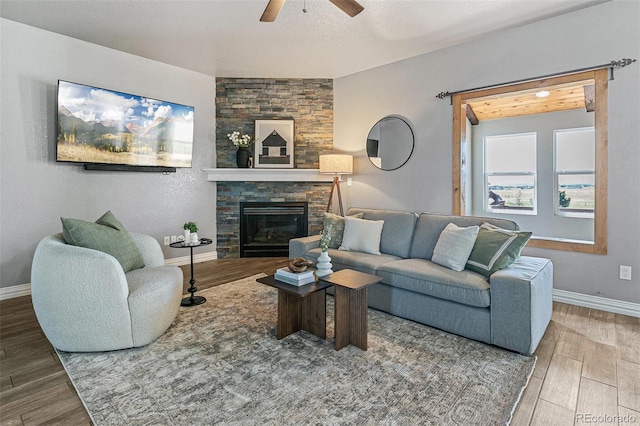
574,155
510,173
593,86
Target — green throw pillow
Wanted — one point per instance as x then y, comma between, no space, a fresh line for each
495,248
107,235
337,227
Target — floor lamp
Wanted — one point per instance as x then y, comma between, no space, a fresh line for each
336,165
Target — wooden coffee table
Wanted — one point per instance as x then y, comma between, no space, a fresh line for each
300,308
351,320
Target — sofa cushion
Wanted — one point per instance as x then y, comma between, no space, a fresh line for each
495,249
336,223
363,262
397,232
454,246
424,276
362,235
429,227
107,235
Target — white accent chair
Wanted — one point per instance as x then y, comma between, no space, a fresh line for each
85,302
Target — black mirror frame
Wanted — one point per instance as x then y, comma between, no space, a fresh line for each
413,141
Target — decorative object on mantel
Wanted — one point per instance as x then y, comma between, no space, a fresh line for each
324,260
242,157
336,164
190,232
241,141
274,144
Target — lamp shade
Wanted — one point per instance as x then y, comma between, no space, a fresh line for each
340,164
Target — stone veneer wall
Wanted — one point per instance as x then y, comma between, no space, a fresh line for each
240,101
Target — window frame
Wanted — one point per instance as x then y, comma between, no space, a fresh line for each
600,77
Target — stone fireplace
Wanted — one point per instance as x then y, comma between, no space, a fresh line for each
241,101
232,194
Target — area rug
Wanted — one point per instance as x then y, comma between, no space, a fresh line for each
220,363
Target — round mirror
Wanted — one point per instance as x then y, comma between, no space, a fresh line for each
390,143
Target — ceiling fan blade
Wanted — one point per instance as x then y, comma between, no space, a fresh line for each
350,7
271,11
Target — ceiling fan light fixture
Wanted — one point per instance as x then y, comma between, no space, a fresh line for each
350,7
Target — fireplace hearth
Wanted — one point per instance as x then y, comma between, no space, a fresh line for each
267,227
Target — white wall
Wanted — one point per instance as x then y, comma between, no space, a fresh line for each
592,36
36,191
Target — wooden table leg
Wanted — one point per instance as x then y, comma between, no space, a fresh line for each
341,317
351,317
297,313
289,313
314,313
358,312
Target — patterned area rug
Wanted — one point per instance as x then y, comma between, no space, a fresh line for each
220,363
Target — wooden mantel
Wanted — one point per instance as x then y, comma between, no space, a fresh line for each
265,175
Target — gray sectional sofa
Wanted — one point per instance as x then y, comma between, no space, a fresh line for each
511,309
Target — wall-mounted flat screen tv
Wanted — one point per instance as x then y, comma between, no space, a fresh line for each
101,126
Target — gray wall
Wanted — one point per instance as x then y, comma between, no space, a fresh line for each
588,37
36,191
545,223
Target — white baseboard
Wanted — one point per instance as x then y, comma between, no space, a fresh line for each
15,291
597,302
197,258
25,289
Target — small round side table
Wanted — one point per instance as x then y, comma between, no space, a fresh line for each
192,300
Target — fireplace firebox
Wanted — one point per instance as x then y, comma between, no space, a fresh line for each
267,227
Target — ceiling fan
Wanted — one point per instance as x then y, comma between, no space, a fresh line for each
350,7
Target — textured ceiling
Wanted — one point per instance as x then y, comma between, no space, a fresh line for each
225,38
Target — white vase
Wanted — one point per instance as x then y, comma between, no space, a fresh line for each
187,236
324,265
194,237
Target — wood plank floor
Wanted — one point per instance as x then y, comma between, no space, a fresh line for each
588,368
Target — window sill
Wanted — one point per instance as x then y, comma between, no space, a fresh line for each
579,246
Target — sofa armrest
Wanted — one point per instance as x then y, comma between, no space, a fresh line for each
521,303
299,246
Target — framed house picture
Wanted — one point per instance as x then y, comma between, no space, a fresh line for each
274,144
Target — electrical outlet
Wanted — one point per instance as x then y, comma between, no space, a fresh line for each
174,238
625,272
349,181
166,240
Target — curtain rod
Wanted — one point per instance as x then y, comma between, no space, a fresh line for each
611,65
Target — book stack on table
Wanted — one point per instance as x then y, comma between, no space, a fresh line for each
294,278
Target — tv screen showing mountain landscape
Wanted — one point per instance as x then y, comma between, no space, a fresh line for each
103,126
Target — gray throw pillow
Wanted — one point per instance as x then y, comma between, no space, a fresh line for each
107,235
362,235
454,246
